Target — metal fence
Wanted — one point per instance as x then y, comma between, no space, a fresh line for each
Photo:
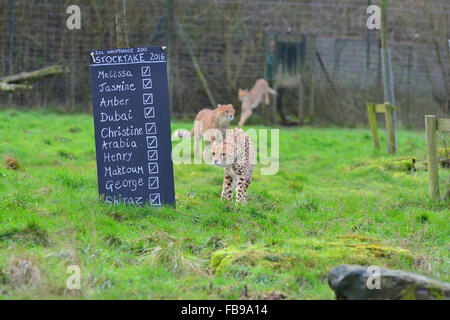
227,39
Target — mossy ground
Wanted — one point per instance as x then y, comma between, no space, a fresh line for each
324,207
307,255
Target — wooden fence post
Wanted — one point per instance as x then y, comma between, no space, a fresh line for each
169,49
121,23
430,129
447,194
271,114
301,104
373,124
390,128
312,101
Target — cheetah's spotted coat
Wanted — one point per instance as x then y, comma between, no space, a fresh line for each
237,156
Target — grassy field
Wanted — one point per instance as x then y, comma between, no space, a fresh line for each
334,200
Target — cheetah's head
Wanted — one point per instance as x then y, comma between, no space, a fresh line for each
226,112
222,154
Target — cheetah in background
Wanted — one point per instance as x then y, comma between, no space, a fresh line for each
208,119
238,158
251,99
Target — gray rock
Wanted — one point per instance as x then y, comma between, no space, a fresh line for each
351,282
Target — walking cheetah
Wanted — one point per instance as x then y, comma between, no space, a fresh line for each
237,156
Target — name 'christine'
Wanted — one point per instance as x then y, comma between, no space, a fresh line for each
121,132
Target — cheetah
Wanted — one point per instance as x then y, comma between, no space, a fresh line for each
251,99
208,119
237,156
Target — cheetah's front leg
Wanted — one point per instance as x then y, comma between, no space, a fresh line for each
227,188
241,189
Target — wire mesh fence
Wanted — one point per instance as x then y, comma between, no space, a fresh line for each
228,40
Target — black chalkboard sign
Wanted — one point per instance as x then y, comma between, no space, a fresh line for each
132,126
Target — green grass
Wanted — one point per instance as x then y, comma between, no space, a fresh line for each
330,203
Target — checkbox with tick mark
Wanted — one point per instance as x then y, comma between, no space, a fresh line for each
152,142
150,128
146,83
155,199
153,183
145,71
152,155
149,112
153,168
147,98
